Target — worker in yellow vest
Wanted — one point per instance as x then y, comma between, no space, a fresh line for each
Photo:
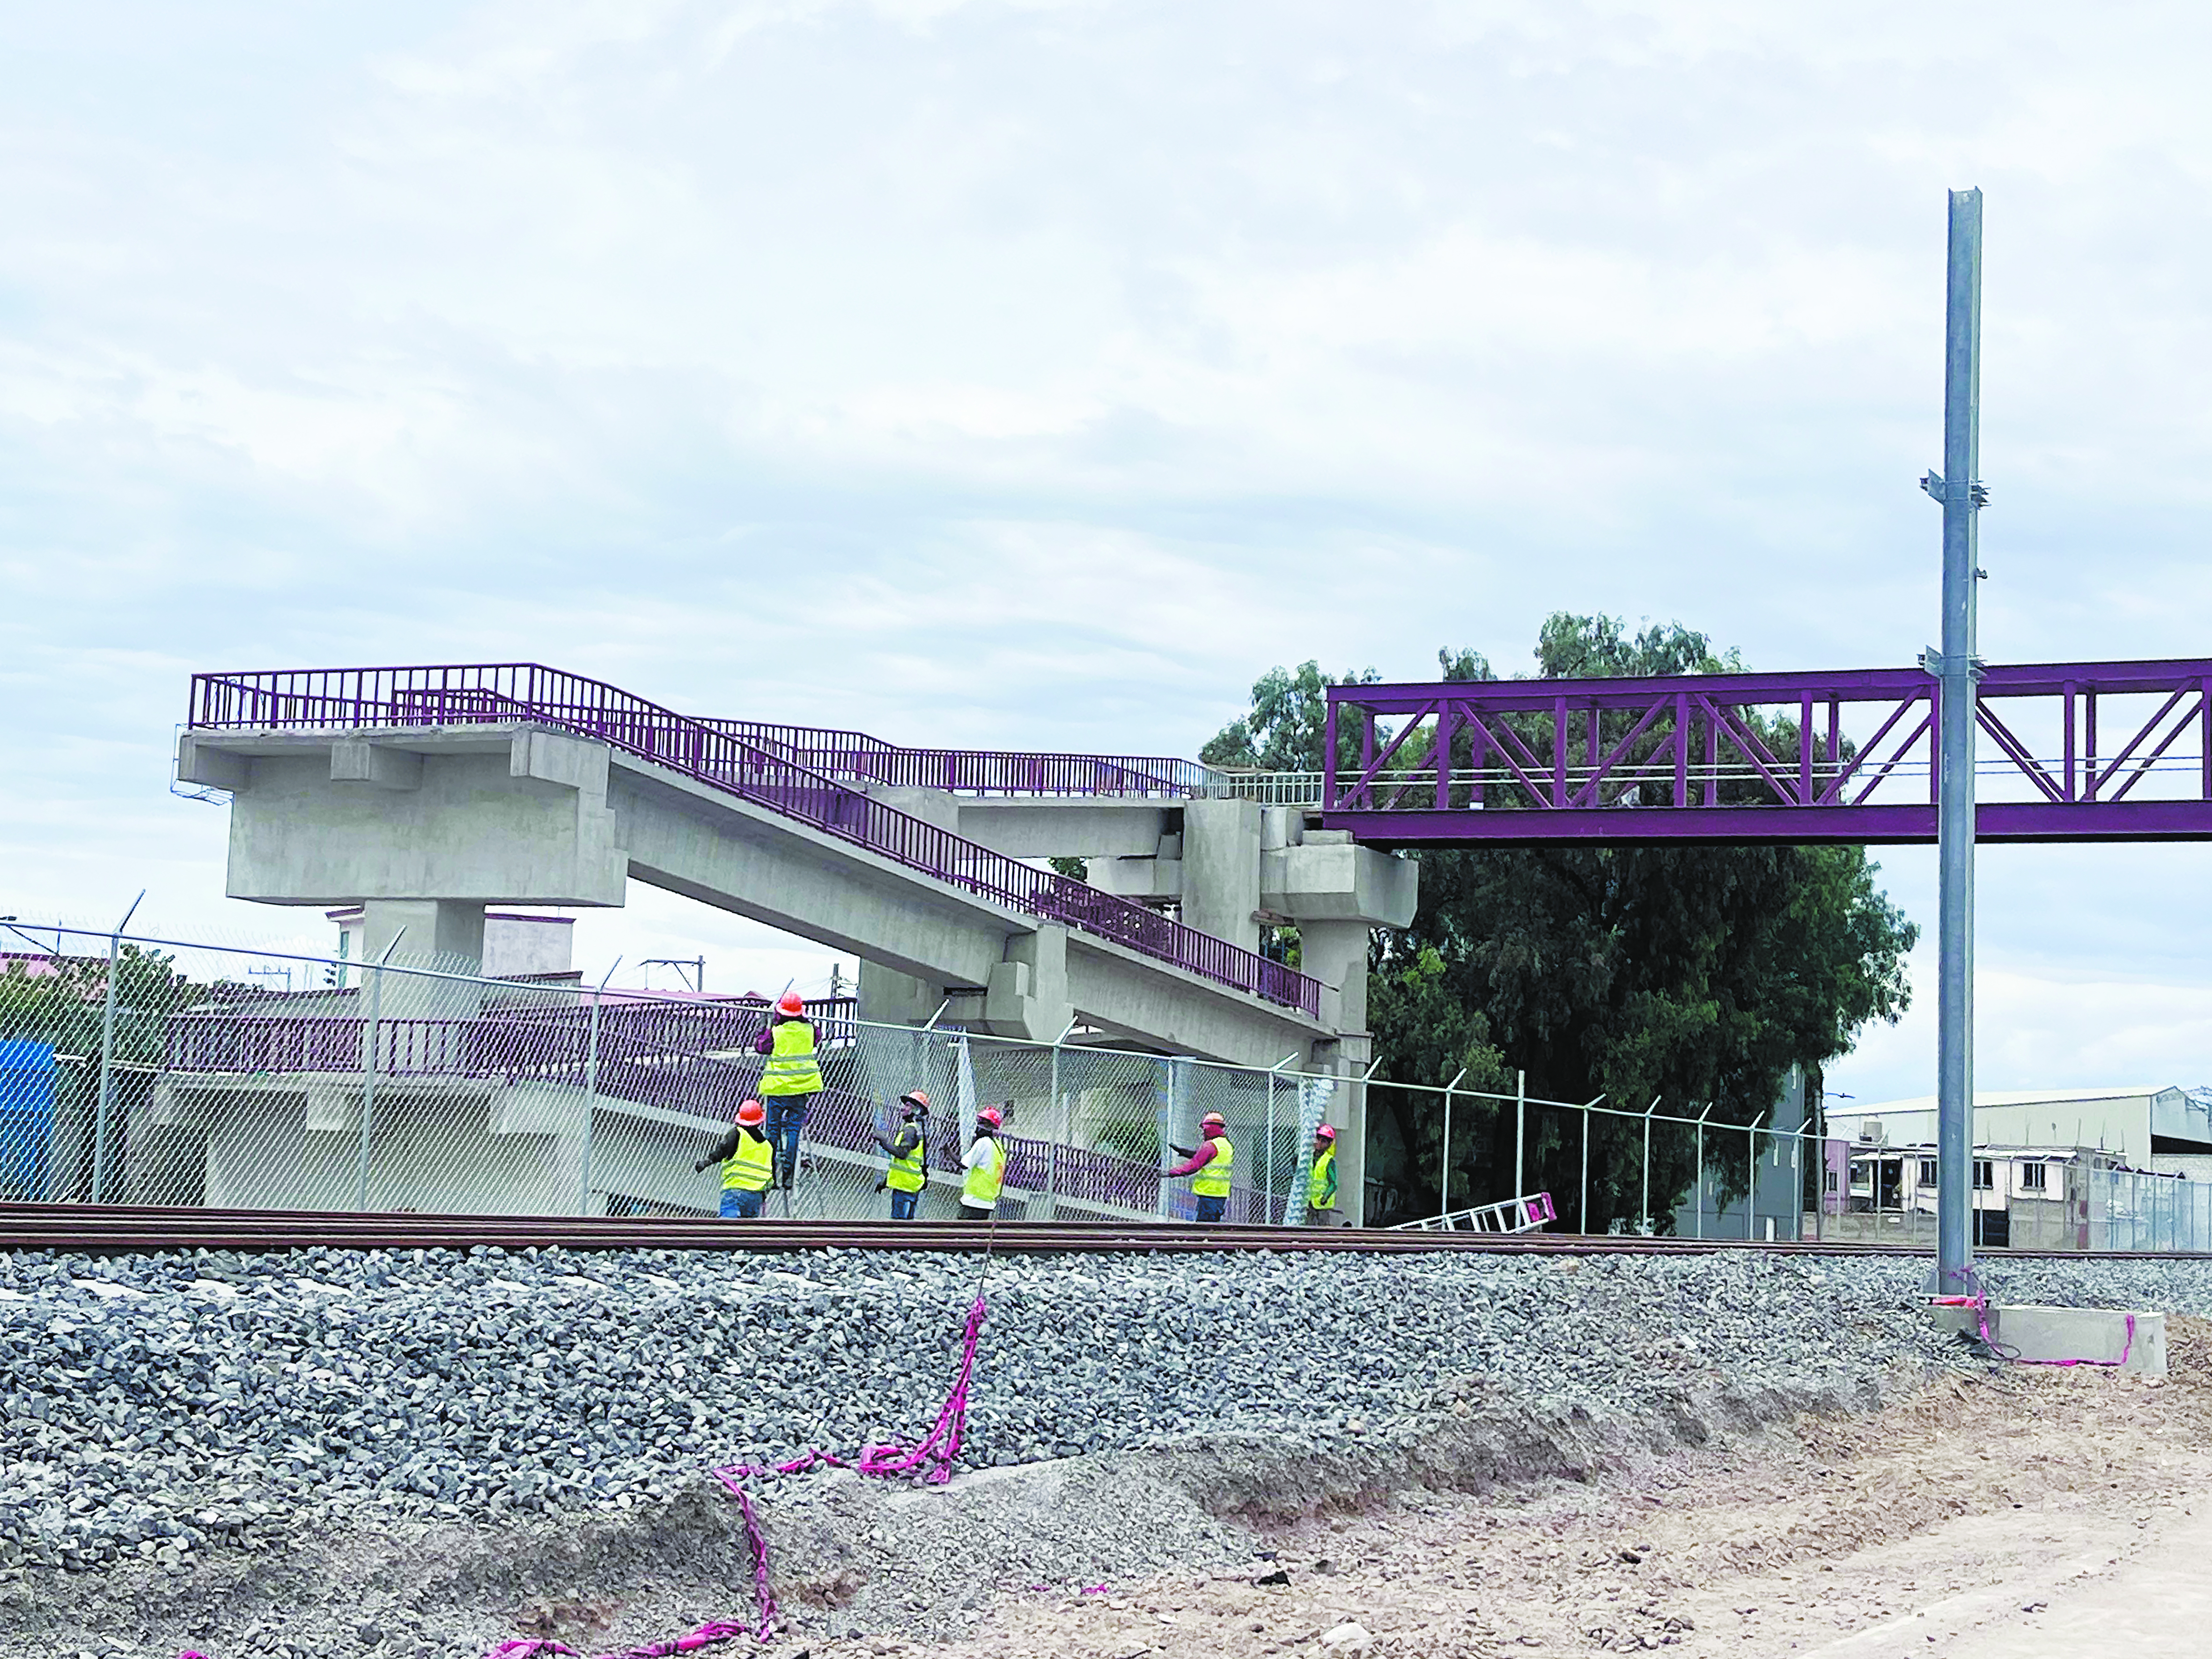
791,1080
747,1161
986,1167
1321,1182
908,1151
1208,1166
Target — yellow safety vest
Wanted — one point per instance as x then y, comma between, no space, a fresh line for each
1211,1180
982,1186
791,1065
1320,1189
908,1174
750,1167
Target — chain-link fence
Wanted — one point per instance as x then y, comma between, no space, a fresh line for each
2130,1210
140,1071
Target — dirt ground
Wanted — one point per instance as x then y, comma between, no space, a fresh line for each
2039,1512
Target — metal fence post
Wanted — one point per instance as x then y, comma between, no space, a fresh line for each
1294,1202
1751,1192
592,1087
1443,1163
1581,1214
1702,1116
1060,1129
1797,1186
369,1069
1644,1221
1268,1158
1520,1133
108,1053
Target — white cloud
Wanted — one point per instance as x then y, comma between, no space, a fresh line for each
1036,373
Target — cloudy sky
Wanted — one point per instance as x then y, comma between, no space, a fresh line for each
1037,374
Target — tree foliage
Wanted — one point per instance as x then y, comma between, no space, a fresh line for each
1287,730
1696,976
65,1006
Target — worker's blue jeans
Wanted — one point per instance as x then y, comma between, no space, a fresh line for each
739,1205
903,1204
1209,1209
785,1112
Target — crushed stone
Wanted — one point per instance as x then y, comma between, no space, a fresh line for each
243,1454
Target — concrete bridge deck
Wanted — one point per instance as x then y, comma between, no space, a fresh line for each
424,826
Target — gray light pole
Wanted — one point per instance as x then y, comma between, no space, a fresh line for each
1957,668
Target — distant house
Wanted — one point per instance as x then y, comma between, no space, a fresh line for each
2162,1131
2053,1168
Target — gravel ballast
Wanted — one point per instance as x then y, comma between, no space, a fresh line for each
203,1450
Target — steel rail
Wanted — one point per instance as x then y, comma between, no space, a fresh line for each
113,1230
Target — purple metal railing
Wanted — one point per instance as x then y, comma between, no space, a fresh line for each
652,1054
1765,758
660,1053
352,699
859,758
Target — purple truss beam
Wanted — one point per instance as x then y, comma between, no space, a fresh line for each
1736,758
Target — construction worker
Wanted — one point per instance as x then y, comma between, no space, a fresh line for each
748,1164
986,1165
1208,1168
908,1151
790,1083
1321,1183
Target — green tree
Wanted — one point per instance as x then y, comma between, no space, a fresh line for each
66,1007
1696,975
1287,730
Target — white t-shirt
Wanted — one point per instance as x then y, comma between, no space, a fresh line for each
982,1149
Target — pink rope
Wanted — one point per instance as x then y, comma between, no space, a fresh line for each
1979,1301
929,1462
538,1648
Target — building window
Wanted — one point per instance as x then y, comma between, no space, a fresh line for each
1861,1178
1928,1171
1831,1186
1986,1175
2031,1178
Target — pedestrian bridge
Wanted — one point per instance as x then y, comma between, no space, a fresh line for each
425,793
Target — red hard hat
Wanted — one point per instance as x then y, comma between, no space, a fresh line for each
790,1003
1324,1133
915,1098
752,1112
1213,1117
992,1116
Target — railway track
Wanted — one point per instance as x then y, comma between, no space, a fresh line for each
123,1230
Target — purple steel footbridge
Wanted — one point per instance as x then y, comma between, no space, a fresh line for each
2067,752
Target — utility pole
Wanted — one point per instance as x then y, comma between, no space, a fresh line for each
1957,668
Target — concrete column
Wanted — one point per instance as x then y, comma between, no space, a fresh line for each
1028,994
446,934
1335,952
1221,869
887,997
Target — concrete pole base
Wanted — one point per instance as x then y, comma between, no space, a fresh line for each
2045,1334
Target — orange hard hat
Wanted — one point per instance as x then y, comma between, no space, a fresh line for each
992,1116
1324,1133
752,1112
790,1003
918,1099
1213,1117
